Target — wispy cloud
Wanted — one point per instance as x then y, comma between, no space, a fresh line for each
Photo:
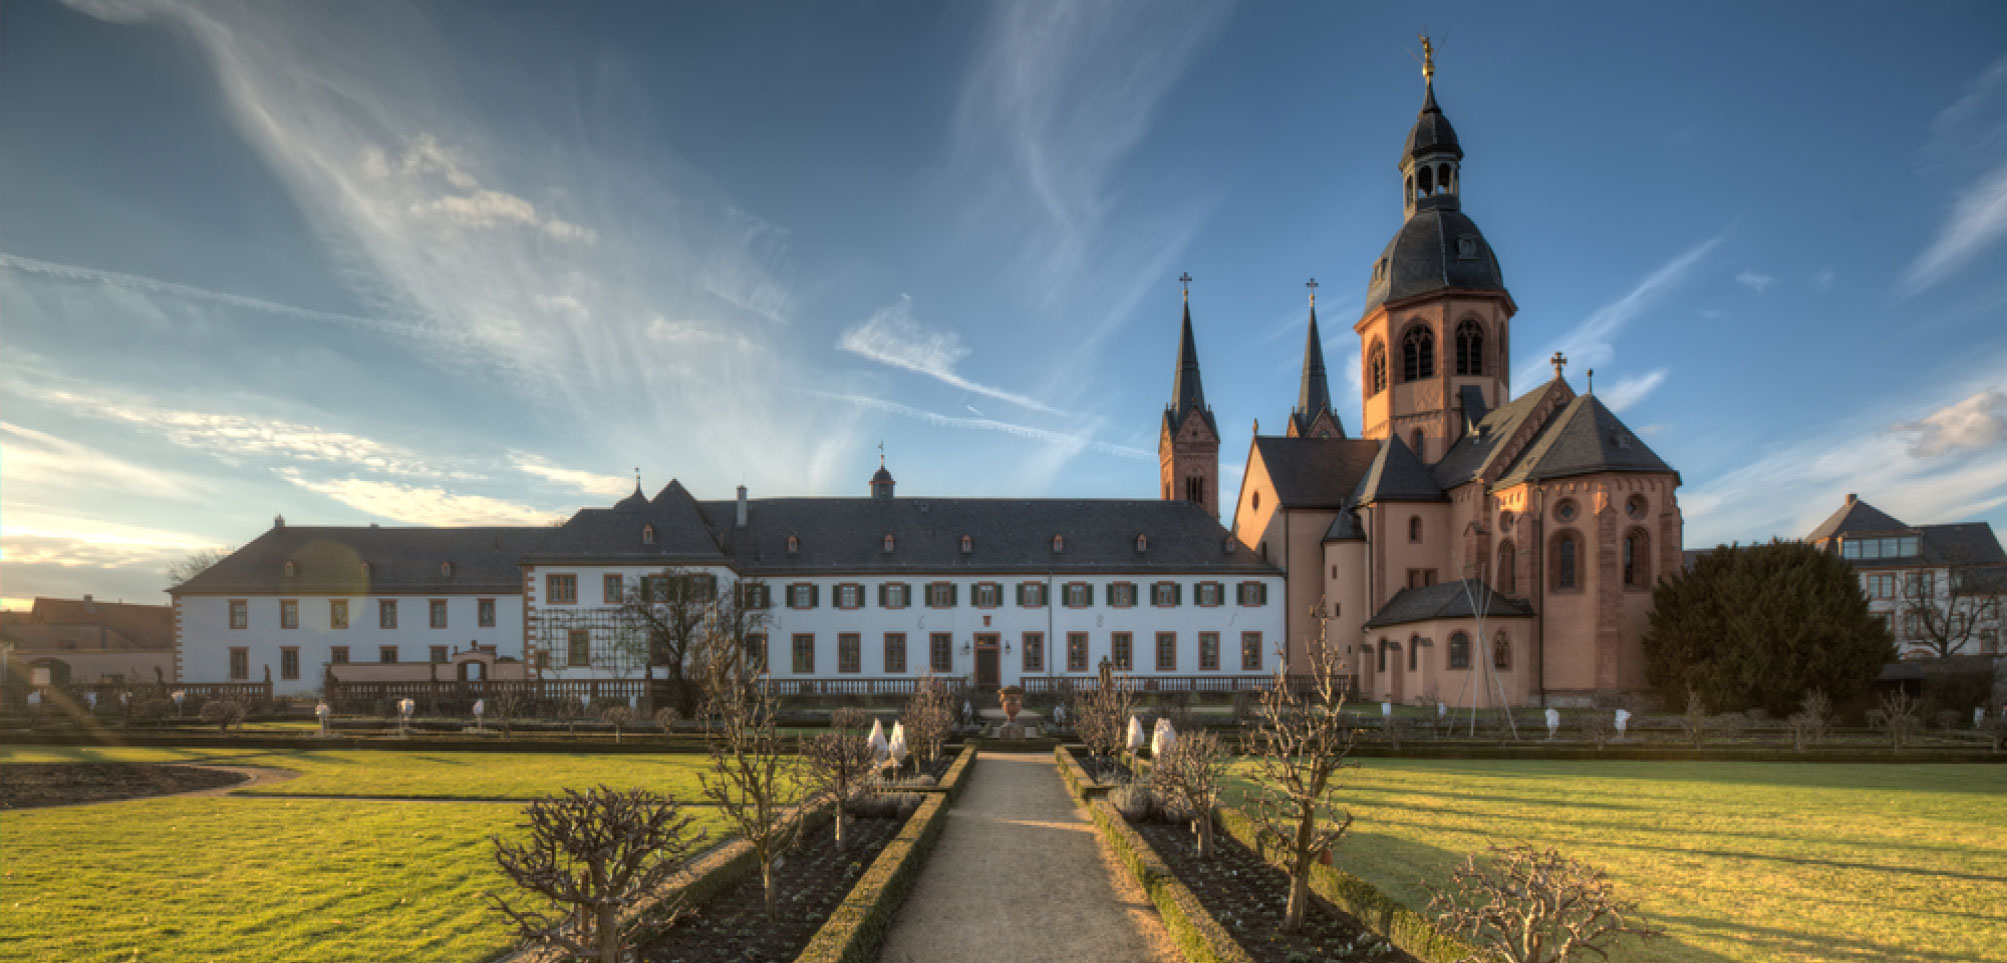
583,482
1630,391
1591,342
1976,121
1975,423
892,337
34,536
421,505
1978,218
1824,280
37,458
1069,441
1754,281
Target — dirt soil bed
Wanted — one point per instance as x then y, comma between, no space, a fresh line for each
28,785
1248,897
732,926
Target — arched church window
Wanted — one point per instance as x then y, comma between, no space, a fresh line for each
1418,354
1469,348
1637,551
1506,565
1376,368
1567,548
1459,651
1414,528
1501,652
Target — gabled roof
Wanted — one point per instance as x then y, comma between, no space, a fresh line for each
1447,600
1475,455
1584,438
1961,543
1396,475
329,560
147,626
1856,516
1314,472
1005,535
682,532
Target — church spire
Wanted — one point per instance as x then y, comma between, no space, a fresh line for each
1188,449
1313,397
1187,393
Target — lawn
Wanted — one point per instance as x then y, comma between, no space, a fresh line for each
1734,861
435,775
284,879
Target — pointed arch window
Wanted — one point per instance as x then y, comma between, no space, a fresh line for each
1418,354
1637,550
1506,565
1459,651
1470,348
1567,561
1376,368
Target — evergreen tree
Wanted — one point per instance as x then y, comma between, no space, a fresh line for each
1762,625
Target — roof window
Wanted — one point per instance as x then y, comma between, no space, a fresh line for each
1142,542
968,545
888,543
647,534
793,544
292,568
446,569
1058,544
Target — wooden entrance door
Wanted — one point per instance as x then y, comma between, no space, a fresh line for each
989,661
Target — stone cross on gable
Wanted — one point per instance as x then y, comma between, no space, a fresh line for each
1559,361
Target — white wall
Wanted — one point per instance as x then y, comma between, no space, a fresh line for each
591,596
826,622
206,637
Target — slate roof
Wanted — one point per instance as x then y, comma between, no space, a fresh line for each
1961,543
402,561
1447,600
683,532
1315,472
147,626
1396,475
1314,393
1344,527
1474,455
1007,535
1856,516
1584,438
1424,256
1188,394
1432,132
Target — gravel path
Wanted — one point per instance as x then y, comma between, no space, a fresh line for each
1019,874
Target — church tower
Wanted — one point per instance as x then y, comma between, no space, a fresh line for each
1189,446
1436,326
1313,416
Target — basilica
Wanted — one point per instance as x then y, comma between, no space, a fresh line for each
1466,546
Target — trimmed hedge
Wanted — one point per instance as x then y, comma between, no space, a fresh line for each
1198,935
855,930
1083,789
952,781
1406,929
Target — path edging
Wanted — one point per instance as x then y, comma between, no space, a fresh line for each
1199,937
857,927
1079,785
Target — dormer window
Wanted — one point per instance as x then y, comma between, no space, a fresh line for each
1058,544
647,534
1142,543
292,568
1466,248
888,543
968,545
446,569
793,544
368,569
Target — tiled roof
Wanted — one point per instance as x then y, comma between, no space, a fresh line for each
1856,516
1961,543
1475,455
1315,472
1447,600
1584,438
1006,535
76,638
148,626
683,533
401,561
1396,475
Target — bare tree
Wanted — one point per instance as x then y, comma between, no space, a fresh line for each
223,713
618,717
1301,741
508,707
589,856
1943,609
667,717
1695,721
1104,719
840,761
754,772
1526,906
196,564
1810,722
1191,776
1898,715
929,716
666,611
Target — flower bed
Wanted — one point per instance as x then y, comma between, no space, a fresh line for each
857,927
29,785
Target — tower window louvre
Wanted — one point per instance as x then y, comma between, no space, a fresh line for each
1418,354
1376,368
1470,348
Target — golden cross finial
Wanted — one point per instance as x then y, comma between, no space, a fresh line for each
1186,280
1312,285
1428,60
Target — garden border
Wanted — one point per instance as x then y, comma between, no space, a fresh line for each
857,927
1084,790
1199,937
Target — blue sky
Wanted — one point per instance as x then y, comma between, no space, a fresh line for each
476,262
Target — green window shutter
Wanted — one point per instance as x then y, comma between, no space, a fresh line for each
881,595
814,596
1020,593
1262,593
1090,592
954,594
1177,593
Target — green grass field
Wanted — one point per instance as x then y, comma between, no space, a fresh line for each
286,879
1734,861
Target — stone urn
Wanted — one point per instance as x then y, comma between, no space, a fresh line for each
1012,699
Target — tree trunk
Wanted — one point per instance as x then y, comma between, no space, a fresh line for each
609,933
767,887
1299,871
1206,836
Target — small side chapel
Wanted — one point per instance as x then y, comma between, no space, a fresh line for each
1467,547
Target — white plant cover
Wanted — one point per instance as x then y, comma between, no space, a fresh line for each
1623,720
1386,709
1553,721
404,706
896,749
1162,739
321,711
93,697
1441,710
480,708
877,740
1135,734
1059,714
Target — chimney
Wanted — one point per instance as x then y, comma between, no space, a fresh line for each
740,521
1852,498
278,521
89,606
